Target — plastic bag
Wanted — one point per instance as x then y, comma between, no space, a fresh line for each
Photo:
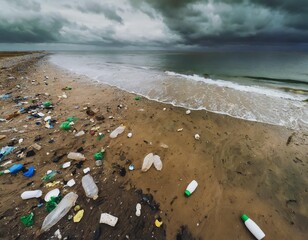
53,203
65,125
28,220
98,156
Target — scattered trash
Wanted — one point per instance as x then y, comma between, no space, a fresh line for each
66,165
77,208
99,163
36,146
108,219
179,130
31,194
5,151
188,112
47,104
76,156
53,193
60,211
20,140
79,134
89,186
30,153
15,168
27,220
117,131
163,145
78,216
52,203
30,172
131,167
100,136
86,170
65,125
191,188
138,209
129,135
5,96
49,176
57,234
52,184
253,227
197,136
158,222
71,183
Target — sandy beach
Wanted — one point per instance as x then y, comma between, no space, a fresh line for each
241,167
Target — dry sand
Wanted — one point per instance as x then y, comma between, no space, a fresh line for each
241,166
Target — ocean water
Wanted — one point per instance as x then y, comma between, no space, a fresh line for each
268,87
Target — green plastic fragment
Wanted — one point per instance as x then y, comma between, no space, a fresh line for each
47,104
98,156
100,137
49,176
71,119
137,98
28,220
65,125
53,203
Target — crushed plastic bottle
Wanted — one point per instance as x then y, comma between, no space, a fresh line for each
76,156
117,131
89,186
60,211
49,176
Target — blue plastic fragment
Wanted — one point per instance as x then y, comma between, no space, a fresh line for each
15,168
30,172
5,151
5,96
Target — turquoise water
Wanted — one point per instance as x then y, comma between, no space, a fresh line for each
267,86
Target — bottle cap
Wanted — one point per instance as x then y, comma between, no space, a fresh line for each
244,217
187,193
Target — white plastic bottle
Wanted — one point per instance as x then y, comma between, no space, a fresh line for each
76,156
191,188
89,186
60,211
253,227
31,194
117,131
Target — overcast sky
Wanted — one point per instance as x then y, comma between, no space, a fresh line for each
154,23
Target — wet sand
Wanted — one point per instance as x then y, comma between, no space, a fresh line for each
241,166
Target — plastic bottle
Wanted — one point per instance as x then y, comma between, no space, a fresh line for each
60,211
191,188
253,227
117,131
31,194
89,186
76,156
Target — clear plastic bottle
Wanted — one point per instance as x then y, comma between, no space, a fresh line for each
60,211
191,188
89,186
76,156
253,227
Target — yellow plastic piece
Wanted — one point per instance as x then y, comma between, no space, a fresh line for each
158,223
78,216
77,208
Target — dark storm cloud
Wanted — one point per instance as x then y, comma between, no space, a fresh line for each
155,23
36,29
96,7
235,21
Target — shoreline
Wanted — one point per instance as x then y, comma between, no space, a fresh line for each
241,166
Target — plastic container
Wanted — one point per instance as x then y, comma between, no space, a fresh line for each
76,156
31,194
15,168
253,227
117,131
89,186
60,211
108,219
191,188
